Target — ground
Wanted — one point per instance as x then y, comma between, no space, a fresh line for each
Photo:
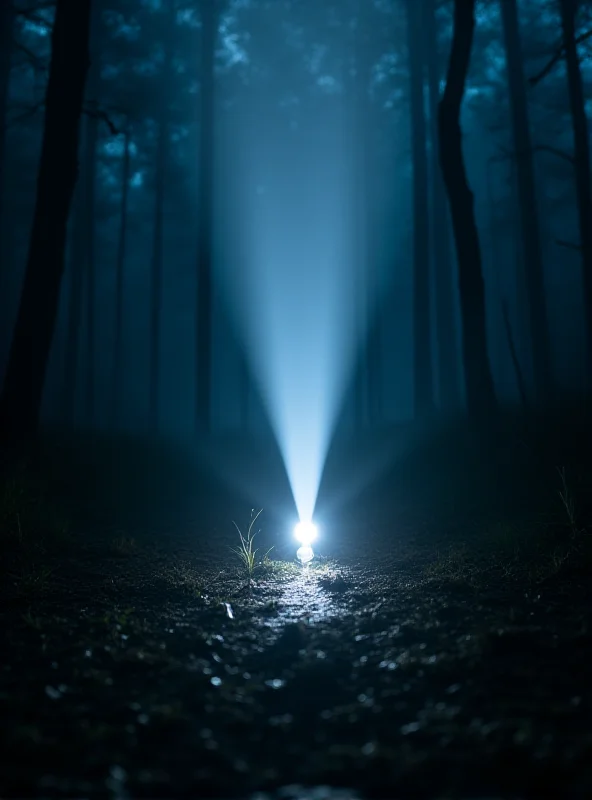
415,657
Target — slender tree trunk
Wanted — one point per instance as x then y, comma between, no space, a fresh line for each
90,185
422,350
360,249
520,296
582,164
82,257
480,392
498,276
209,34
447,355
75,296
157,265
117,378
58,169
527,201
373,301
6,29
93,97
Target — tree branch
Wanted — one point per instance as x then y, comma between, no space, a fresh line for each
100,114
505,154
88,111
37,63
556,151
568,245
28,112
556,58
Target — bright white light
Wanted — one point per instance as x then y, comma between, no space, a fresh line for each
305,554
292,273
306,533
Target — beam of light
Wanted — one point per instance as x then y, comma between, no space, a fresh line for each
290,279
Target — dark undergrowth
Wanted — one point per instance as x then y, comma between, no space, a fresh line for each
438,646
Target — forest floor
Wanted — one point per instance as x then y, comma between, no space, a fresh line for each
420,655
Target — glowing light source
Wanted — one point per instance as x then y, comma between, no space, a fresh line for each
305,554
305,533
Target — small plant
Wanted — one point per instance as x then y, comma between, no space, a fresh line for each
32,580
568,500
29,519
124,546
246,551
31,621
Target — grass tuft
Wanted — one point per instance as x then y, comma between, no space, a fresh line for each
246,551
32,580
124,546
568,501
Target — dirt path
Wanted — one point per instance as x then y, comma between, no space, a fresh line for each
148,671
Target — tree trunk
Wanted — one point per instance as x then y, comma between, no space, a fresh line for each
209,34
156,288
374,333
582,164
480,392
90,184
422,350
527,202
447,355
360,248
75,296
58,168
6,27
117,376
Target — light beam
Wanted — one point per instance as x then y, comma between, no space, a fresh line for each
290,276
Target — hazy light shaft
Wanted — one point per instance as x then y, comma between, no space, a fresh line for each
291,283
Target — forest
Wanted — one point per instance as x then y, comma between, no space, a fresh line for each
264,258
137,334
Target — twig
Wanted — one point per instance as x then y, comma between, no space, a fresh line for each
506,154
33,16
37,63
556,151
101,114
568,245
556,58
28,112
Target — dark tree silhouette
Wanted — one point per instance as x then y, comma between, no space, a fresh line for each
58,169
162,146
582,164
447,356
117,375
89,205
77,250
480,392
358,89
82,294
527,205
6,25
422,350
210,13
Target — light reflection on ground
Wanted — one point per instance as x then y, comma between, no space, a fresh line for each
303,597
